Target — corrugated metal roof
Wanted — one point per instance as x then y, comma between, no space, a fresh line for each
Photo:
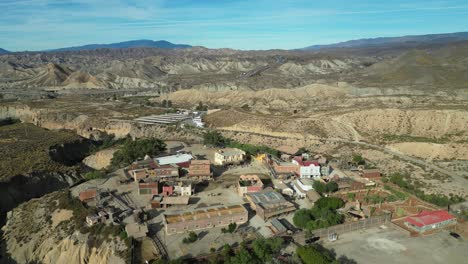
174,159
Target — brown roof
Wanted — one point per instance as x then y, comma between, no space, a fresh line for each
148,185
175,200
88,194
204,213
199,167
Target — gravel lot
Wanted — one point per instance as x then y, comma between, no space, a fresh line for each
391,246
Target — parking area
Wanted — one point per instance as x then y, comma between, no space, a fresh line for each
388,245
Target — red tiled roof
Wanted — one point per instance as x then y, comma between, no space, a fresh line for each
428,218
305,163
299,160
310,162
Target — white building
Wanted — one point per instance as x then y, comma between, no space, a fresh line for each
302,186
183,189
308,169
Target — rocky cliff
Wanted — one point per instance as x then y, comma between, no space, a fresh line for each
57,222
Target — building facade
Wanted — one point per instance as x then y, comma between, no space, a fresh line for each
307,169
229,156
209,217
148,188
200,170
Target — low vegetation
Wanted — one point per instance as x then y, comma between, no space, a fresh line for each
214,138
98,174
24,149
132,150
400,179
322,215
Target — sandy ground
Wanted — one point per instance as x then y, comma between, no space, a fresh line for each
391,246
59,216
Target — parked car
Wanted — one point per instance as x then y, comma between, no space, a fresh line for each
455,235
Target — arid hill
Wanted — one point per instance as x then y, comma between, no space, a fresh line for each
426,67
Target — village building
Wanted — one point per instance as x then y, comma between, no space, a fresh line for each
148,188
277,227
167,190
136,230
370,173
229,156
200,170
183,189
88,195
249,184
166,172
283,188
282,168
427,220
307,169
302,186
217,216
268,204
100,217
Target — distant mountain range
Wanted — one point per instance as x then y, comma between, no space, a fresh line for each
162,44
2,51
398,41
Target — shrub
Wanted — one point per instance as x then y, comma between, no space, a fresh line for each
192,237
95,175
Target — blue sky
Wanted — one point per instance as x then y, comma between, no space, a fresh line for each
244,24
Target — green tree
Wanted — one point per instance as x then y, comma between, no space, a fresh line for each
243,257
319,187
164,103
331,187
214,138
265,249
302,217
131,150
332,203
169,104
310,255
358,159
232,227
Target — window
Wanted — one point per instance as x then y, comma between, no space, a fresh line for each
173,230
242,218
185,227
197,226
